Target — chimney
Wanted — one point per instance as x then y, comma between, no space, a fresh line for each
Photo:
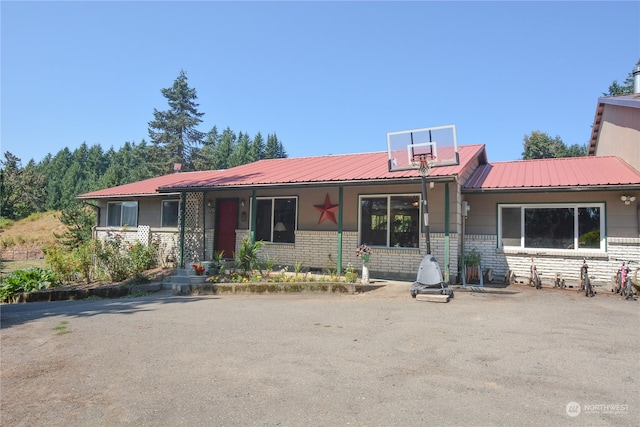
636,80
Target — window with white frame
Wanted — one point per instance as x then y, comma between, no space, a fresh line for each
390,220
121,214
276,219
572,226
169,214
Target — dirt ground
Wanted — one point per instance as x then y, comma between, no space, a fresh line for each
493,356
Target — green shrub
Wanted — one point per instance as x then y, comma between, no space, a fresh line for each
111,255
62,262
28,280
247,257
143,257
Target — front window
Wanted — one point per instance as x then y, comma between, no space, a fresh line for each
122,214
560,226
392,221
276,219
169,213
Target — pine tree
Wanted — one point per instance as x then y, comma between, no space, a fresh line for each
240,155
274,148
616,89
174,131
223,149
204,158
21,189
256,149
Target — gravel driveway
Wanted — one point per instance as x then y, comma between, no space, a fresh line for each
513,356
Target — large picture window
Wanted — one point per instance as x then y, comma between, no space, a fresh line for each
276,219
121,214
169,213
558,226
390,220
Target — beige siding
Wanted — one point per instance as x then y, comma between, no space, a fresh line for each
308,215
620,134
621,220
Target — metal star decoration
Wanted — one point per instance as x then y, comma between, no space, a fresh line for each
328,210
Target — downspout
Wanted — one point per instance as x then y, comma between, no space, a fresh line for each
339,258
447,258
254,217
183,208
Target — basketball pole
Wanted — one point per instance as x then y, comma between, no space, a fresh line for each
424,171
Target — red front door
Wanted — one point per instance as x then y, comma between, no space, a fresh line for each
226,224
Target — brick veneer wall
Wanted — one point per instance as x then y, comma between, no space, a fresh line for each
317,250
602,266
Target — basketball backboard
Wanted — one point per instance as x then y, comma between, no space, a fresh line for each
433,146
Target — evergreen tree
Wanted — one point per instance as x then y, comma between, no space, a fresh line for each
256,149
616,89
203,159
240,155
223,149
174,131
56,170
274,148
21,189
79,220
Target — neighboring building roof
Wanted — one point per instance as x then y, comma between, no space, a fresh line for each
302,170
562,174
632,101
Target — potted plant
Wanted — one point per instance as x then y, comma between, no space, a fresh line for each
198,268
472,266
364,253
216,263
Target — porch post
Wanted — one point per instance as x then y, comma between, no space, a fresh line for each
339,264
183,208
447,259
254,216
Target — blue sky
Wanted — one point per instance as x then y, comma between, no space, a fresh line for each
326,77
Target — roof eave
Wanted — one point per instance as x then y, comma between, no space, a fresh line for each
576,188
385,181
114,196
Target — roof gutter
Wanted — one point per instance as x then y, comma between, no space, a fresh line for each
386,181
119,196
552,189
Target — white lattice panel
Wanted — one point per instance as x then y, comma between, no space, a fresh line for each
144,232
194,228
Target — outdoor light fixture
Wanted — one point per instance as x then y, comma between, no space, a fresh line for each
628,199
210,206
242,202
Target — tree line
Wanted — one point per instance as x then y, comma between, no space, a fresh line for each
54,182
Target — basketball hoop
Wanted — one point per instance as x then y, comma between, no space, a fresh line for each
424,164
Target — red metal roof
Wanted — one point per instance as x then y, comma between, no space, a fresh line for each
148,187
303,170
553,173
318,169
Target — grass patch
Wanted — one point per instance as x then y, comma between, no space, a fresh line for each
61,329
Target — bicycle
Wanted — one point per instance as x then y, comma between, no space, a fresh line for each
585,281
559,283
624,282
534,278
